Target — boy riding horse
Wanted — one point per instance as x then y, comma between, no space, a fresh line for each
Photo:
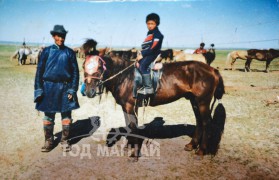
151,48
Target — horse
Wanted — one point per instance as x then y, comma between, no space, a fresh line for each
79,52
167,54
126,55
261,55
22,54
189,57
34,56
234,55
206,58
210,55
191,80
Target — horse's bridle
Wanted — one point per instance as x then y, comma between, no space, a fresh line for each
100,79
90,74
89,77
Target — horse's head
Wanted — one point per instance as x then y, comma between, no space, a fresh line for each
274,53
94,69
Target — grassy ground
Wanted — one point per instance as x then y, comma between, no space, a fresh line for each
249,147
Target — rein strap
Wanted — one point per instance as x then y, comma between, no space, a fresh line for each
112,77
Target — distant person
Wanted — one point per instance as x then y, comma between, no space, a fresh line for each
23,44
200,50
151,48
56,84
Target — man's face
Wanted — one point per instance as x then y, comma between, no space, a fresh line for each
59,39
151,25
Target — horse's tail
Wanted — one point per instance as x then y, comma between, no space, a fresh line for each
218,121
14,55
229,59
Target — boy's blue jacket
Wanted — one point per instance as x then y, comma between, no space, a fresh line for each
152,43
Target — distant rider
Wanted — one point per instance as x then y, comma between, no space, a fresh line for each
200,50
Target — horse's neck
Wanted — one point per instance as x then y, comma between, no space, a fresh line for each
117,67
211,50
276,53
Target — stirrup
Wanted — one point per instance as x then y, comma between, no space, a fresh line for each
146,91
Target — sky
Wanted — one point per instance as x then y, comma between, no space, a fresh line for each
120,23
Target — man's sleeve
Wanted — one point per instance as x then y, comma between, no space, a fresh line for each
75,74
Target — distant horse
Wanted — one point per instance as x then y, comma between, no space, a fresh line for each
167,54
79,52
126,55
206,58
210,55
234,55
192,80
261,55
22,54
34,56
189,57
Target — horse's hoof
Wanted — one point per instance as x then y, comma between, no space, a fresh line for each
133,159
197,157
189,147
200,152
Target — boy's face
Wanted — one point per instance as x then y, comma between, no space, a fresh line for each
151,25
59,39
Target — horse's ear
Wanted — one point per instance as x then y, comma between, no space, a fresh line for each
107,50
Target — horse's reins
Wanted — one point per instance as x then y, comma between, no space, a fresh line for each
117,74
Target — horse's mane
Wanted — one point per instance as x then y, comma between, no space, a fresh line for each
116,65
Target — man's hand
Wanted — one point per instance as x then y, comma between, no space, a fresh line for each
39,99
70,96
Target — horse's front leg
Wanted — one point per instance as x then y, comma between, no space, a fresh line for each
267,65
22,61
232,64
132,123
247,65
19,61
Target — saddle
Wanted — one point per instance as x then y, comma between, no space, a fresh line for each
156,74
